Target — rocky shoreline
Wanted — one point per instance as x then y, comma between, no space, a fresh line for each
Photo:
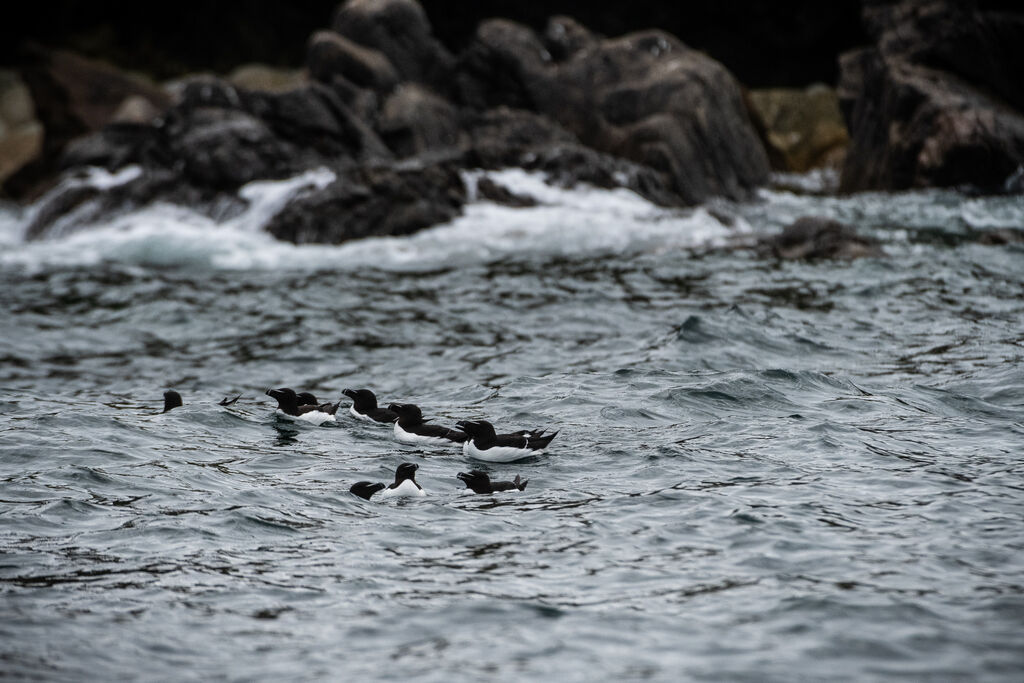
397,117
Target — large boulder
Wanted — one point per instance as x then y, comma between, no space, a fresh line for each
644,96
414,120
398,29
937,101
373,201
330,55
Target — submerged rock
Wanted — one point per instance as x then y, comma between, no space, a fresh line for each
815,237
937,101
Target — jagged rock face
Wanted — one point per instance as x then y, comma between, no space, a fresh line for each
645,97
936,101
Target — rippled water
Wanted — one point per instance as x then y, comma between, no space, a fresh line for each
765,471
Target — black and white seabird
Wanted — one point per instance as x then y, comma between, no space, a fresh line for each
484,444
480,482
172,400
404,486
364,407
305,398
412,428
288,403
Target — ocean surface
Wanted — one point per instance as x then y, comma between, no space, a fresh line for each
765,471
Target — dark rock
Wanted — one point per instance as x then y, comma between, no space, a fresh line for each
219,137
371,202
814,237
76,202
565,37
73,96
330,55
937,100
645,97
414,120
400,30
504,137
487,188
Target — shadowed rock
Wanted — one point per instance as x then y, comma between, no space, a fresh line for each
400,30
937,100
330,55
645,97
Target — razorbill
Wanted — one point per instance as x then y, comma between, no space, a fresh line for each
288,403
484,444
305,398
410,427
364,407
404,486
172,400
480,482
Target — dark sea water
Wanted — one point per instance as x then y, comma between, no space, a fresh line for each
765,471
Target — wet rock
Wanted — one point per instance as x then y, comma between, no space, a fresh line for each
373,201
488,189
803,128
937,100
414,120
400,30
814,237
645,97
330,55
504,137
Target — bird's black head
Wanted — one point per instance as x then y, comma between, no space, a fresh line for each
407,470
362,399
408,413
476,480
477,429
287,400
305,398
172,400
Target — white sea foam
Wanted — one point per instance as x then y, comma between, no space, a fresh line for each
581,220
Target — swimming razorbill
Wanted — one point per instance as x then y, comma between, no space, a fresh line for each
304,398
288,403
404,486
410,427
484,444
364,407
172,400
480,482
